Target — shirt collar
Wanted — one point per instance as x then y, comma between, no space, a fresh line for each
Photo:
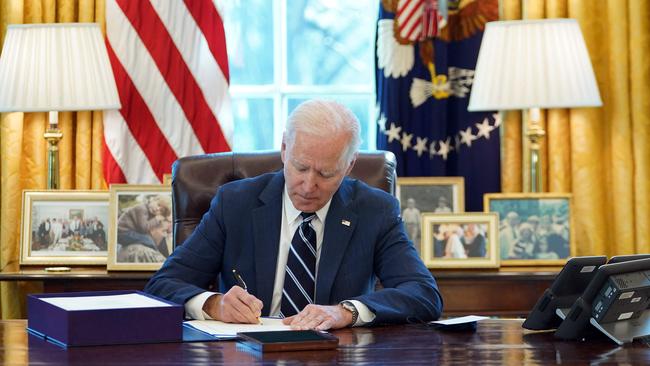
292,213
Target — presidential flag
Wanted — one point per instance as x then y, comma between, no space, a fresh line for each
171,67
425,58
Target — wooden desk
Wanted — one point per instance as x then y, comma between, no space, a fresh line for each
496,342
78,279
505,293
508,292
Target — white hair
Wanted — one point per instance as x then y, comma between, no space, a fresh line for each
321,117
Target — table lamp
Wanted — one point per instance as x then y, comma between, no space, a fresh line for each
533,64
53,68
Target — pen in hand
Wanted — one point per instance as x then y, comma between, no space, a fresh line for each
242,284
239,280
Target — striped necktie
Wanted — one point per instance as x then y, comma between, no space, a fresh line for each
300,275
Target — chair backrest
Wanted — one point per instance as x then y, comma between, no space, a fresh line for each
196,179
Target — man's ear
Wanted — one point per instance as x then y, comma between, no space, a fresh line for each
283,148
354,160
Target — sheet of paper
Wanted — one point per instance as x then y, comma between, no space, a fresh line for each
221,329
124,301
459,320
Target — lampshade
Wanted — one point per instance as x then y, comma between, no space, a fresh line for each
56,67
533,64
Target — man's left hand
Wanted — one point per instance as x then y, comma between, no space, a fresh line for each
320,317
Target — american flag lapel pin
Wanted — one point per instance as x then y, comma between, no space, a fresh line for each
345,222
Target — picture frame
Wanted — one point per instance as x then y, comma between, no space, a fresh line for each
64,227
460,240
427,194
167,179
543,221
140,238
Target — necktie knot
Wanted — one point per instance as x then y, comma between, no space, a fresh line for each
307,216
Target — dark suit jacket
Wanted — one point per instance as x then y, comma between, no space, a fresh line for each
241,231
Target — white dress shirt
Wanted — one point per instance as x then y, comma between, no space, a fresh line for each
291,220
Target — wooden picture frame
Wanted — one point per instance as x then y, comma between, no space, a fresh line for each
140,236
461,240
64,227
424,194
534,228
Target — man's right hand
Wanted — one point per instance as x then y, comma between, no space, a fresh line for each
235,306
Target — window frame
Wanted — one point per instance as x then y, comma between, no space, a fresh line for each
280,92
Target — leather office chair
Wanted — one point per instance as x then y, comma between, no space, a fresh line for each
195,179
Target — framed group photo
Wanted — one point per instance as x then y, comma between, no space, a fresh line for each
462,240
418,195
64,227
141,227
534,228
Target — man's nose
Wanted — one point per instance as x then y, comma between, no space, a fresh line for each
310,182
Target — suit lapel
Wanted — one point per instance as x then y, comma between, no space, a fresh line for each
339,226
266,233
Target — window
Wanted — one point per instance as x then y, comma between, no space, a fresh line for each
282,52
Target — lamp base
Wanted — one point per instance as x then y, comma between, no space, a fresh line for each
53,135
535,134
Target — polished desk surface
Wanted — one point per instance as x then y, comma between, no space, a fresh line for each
496,342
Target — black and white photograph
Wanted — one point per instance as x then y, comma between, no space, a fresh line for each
418,195
141,237
64,227
534,228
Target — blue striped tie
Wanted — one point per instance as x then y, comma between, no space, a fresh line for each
300,275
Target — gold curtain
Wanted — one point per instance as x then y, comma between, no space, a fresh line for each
601,155
23,149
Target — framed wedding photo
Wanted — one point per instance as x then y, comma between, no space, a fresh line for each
534,228
461,240
428,194
140,238
64,227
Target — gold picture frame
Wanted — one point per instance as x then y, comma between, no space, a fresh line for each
167,179
140,238
460,240
424,194
64,227
535,229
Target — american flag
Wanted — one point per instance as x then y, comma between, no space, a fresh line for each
171,67
423,85
418,19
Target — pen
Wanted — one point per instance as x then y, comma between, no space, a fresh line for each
239,280
242,284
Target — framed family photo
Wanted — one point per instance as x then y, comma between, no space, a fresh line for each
64,227
428,194
140,238
462,240
534,228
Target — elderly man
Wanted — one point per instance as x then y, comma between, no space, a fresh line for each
508,234
411,218
308,241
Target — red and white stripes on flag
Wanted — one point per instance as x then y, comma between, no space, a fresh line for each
171,67
417,19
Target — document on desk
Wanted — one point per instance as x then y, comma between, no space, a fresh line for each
223,330
125,301
459,320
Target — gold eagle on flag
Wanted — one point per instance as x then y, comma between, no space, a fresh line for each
422,21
